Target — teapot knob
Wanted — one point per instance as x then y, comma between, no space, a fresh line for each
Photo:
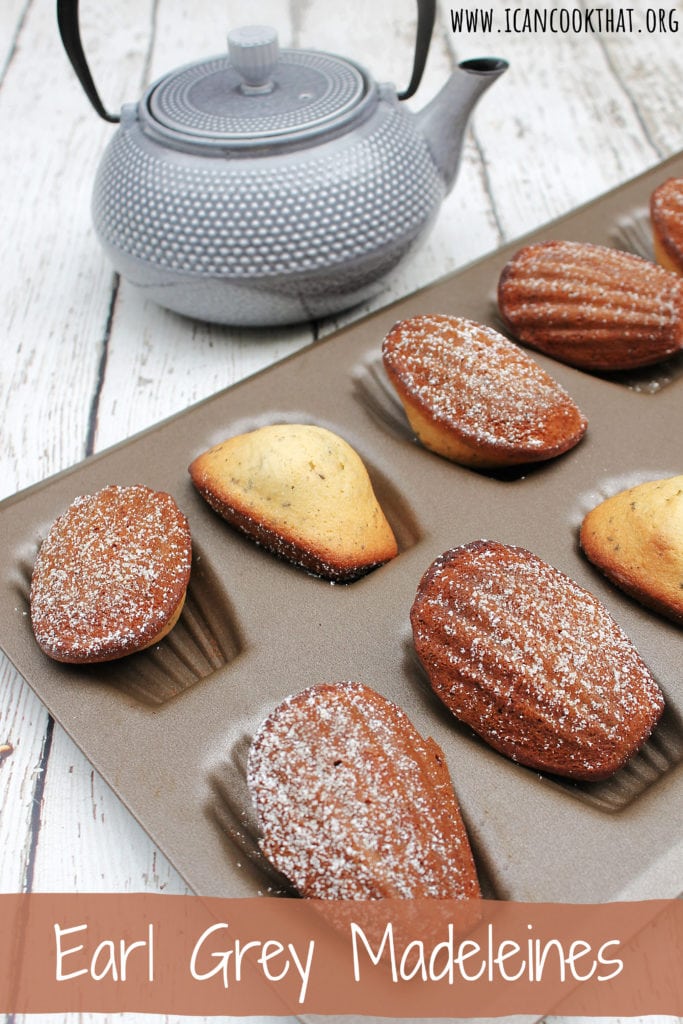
254,52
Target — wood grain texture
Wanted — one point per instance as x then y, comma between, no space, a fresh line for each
88,361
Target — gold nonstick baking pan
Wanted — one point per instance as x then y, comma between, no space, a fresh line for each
168,728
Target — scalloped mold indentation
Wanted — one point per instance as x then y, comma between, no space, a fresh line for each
375,394
205,639
658,756
232,808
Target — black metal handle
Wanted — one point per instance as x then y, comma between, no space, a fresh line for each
69,30
426,12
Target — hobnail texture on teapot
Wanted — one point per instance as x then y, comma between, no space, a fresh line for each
269,186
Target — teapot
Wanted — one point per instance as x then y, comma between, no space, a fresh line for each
266,186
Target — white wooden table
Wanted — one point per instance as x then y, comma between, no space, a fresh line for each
86,362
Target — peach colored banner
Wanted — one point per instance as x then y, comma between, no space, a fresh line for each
402,958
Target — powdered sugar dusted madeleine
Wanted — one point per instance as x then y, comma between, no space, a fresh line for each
636,538
111,575
353,803
301,492
532,661
666,217
591,306
475,397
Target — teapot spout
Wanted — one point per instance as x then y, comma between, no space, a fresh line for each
443,121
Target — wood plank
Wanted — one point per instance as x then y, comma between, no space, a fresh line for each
558,138
537,146
23,723
55,293
105,847
649,67
12,13
54,305
156,363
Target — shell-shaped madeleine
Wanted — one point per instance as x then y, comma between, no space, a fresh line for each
353,803
666,216
111,575
591,306
532,661
636,538
303,493
475,397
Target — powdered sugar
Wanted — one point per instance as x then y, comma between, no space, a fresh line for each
468,377
353,803
532,661
109,574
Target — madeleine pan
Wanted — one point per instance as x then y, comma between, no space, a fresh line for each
168,728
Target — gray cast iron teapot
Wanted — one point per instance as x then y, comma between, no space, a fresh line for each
269,186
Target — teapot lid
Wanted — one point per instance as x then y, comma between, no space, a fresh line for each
257,94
